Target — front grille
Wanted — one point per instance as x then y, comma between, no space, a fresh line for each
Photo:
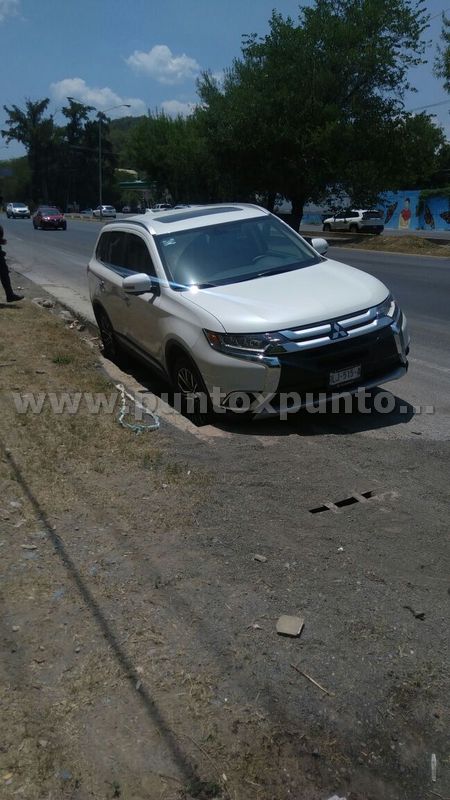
320,334
309,370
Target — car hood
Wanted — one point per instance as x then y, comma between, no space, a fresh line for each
322,291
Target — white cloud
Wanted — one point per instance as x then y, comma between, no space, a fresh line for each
100,98
9,8
175,108
162,65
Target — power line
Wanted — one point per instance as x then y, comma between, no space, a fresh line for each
439,14
431,105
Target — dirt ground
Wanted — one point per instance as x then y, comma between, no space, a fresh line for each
140,655
414,245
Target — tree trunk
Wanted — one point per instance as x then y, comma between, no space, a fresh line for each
297,212
295,217
271,197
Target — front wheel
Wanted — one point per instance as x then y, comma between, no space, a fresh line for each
191,394
327,227
353,229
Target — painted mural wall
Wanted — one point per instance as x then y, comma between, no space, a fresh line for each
404,210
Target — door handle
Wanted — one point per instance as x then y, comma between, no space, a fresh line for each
101,286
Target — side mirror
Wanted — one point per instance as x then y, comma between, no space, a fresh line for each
140,283
321,245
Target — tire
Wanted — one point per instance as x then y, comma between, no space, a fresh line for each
353,229
326,227
111,347
188,383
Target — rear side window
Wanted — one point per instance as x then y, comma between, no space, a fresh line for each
373,215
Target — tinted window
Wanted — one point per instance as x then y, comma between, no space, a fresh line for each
111,249
125,252
137,255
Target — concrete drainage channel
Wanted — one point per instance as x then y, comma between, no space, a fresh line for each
353,499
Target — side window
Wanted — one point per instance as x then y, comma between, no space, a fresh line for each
117,251
102,252
111,249
138,258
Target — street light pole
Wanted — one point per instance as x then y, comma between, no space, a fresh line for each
100,167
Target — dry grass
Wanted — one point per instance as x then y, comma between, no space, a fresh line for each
416,245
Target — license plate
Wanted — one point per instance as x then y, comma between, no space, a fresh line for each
345,375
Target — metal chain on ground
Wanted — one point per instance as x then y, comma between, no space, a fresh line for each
136,427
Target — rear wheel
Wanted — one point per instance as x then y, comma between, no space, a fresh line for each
111,347
327,227
353,229
192,395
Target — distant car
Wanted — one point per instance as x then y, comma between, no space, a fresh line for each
17,210
356,221
132,210
161,207
87,212
104,211
50,218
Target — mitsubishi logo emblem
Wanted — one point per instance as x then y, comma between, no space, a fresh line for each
337,331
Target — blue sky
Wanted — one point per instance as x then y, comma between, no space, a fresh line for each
144,52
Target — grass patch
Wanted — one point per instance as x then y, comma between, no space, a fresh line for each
62,359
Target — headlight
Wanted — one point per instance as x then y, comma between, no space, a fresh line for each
250,343
388,308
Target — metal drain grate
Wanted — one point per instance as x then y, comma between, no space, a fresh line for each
347,501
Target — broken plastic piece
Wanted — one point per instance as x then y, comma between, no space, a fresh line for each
290,626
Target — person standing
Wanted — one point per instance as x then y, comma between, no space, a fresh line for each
11,296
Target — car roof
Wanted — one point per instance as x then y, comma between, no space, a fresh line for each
165,222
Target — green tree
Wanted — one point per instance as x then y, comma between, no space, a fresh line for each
174,153
296,109
36,132
442,66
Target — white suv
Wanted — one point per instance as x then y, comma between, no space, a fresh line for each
356,221
15,210
228,302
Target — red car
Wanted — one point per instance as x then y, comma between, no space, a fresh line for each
49,217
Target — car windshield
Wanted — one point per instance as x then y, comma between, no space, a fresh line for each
19,205
231,252
48,210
